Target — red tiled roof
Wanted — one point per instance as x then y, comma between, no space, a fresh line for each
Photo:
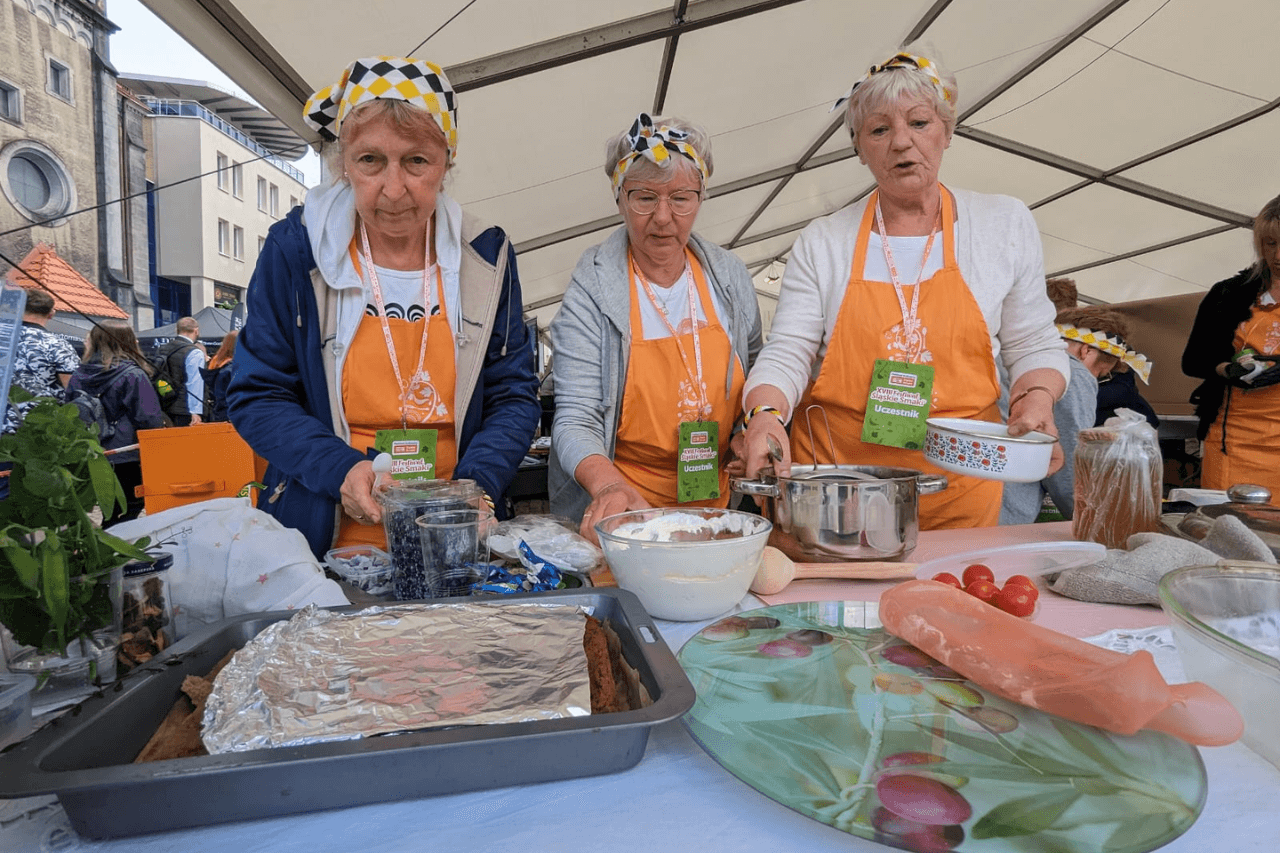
44,264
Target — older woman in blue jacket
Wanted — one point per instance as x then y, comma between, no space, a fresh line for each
380,310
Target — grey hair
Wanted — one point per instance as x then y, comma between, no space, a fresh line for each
618,147
404,116
902,84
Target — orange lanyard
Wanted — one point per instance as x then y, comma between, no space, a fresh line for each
910,317
695,373
376,287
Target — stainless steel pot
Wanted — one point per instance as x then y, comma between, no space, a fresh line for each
838,513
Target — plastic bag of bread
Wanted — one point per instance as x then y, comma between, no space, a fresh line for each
1119,480
1043,669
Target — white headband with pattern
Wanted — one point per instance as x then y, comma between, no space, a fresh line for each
656,145
1111,346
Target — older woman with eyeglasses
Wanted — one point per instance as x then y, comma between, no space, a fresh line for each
652,342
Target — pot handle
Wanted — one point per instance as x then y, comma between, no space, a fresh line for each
927,484
754,487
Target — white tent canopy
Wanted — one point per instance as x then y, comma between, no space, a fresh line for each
1142,133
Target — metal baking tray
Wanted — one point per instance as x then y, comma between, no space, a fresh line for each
85,756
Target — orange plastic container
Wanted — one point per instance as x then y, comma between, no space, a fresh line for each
182,465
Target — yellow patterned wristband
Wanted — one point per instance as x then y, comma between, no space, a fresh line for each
772,410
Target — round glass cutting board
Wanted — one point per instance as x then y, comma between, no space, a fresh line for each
818,708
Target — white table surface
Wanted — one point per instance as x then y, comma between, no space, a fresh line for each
676,799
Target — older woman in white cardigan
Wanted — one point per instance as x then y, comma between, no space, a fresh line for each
896,308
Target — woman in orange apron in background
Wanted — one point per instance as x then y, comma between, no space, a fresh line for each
895,308
1235,347
652,343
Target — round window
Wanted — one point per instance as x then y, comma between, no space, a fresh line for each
29,183
35,181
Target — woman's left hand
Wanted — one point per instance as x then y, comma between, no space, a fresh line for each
1034,412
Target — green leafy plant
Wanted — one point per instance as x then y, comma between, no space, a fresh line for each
53,558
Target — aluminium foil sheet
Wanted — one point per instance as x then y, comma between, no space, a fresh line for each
324,676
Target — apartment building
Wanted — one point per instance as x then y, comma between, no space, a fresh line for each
208,232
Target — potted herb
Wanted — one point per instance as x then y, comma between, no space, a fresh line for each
59,571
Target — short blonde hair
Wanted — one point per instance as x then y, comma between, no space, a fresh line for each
898,84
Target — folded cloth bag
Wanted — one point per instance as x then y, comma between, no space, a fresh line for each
230,559
1133,576
1043,669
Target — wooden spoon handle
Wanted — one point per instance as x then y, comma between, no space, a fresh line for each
862,571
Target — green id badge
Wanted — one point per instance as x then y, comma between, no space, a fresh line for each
413,452
698,462
898,404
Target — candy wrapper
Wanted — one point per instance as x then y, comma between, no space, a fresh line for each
548,535
1041,668
538,575
325,676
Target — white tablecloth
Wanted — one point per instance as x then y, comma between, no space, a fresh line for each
676,799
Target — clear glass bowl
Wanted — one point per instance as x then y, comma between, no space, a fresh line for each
685,565
1226,622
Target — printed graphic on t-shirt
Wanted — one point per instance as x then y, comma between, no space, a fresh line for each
396,311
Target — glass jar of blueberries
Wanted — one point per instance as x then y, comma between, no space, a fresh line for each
402,504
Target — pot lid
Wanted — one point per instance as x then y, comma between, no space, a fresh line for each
849,473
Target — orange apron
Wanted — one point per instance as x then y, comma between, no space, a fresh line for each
371,395
654,404
1253,435
965,383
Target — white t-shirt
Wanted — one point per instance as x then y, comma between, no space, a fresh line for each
402,294
676,300
907,252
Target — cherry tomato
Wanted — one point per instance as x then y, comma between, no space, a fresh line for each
1022,580
949,579
983,590
978,572
1016,600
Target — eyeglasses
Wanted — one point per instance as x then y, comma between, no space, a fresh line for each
680,202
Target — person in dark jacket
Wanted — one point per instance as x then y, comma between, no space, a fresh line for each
379,306
1119,390
1234,347
217,379
115,371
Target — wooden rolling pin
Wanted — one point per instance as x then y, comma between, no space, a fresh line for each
777,570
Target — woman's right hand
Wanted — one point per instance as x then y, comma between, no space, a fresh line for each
764,430
618,496
357,494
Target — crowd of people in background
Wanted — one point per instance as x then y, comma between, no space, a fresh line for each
116,387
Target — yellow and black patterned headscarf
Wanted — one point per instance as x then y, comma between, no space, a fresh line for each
414,81
655,144
902,59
